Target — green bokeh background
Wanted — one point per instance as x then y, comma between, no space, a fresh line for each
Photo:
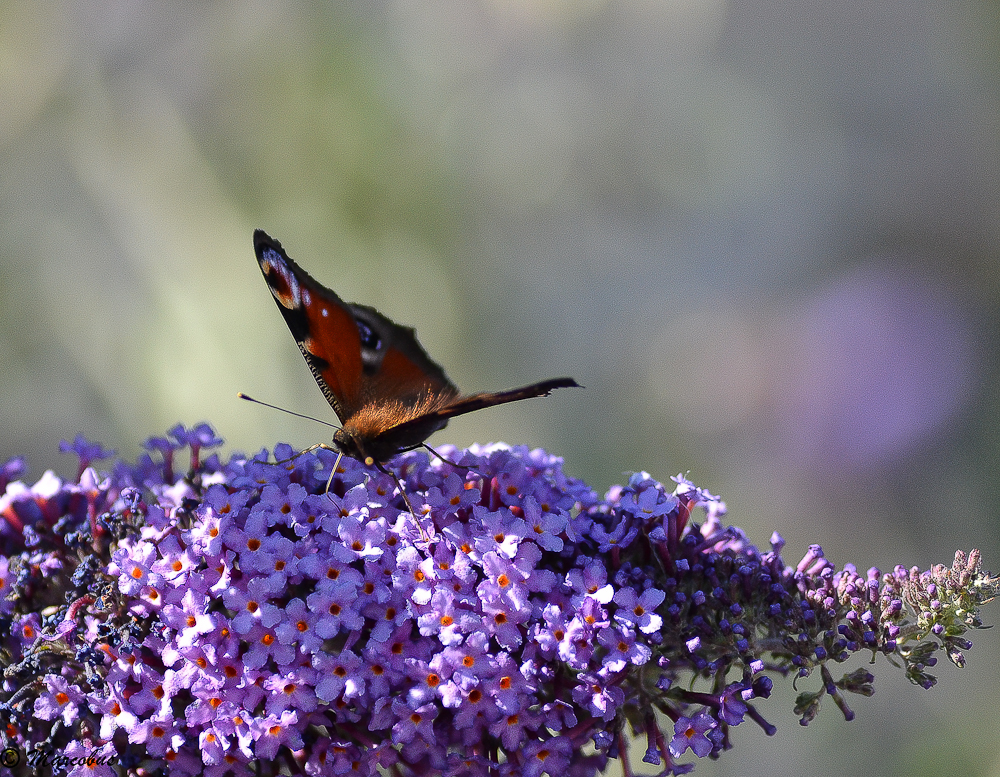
763,234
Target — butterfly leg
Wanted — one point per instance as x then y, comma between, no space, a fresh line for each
406,498
329,480
446,461
317,446
310,449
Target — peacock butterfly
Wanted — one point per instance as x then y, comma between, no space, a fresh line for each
389,395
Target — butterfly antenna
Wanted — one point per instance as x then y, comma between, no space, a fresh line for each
248,398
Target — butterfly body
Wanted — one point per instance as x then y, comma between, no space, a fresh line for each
387,392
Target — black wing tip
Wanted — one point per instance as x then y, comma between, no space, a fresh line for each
545,387
555,383
263,240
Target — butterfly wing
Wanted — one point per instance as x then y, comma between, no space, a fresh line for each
435,418
395,367
359,358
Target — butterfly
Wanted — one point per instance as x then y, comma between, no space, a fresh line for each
387,392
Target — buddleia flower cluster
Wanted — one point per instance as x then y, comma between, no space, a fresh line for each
185,615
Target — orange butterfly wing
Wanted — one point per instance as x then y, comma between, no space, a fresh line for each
358,356
320,322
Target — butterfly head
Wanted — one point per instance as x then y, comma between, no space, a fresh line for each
352,445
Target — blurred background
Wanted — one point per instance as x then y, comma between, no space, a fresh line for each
763,234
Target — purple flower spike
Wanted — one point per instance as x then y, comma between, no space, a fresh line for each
242,620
